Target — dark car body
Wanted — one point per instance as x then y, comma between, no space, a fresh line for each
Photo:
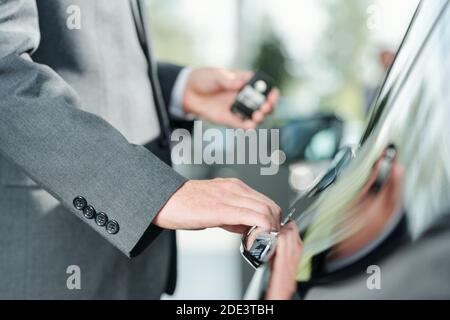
411,115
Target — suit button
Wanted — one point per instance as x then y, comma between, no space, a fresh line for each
112,227
89,212
101,219
79,203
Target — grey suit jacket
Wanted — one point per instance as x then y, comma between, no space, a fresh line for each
76,107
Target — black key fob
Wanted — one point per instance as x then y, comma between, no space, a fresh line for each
261,250
253,95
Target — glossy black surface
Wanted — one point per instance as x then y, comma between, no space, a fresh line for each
410,112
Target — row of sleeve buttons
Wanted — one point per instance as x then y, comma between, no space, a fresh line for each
101,218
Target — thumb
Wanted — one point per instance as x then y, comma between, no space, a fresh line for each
229,80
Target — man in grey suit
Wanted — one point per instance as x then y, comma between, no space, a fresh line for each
85,118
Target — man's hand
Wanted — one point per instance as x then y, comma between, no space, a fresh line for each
225,203
282,283
210,93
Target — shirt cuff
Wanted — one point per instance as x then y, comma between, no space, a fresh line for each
176,98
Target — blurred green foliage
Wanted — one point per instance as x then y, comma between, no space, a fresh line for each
271,58
343,46
341,51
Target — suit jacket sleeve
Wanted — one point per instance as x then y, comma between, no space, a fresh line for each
167,76
67,151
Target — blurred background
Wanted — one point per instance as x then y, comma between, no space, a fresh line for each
328,57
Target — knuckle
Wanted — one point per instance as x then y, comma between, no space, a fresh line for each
278,208
266,221
235,180
218,180
278,211
268,215
238,184
228,184
244,211
241,211
291,226
267,209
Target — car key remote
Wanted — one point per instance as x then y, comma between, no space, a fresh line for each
261,250
253,95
